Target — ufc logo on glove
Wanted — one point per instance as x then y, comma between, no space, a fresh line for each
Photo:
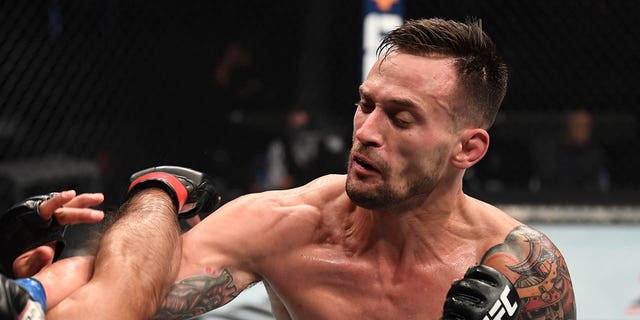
484,293
501,306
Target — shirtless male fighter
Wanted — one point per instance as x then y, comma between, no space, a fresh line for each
394,238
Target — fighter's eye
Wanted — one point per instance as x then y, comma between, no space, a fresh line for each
364,107
400,123
402,119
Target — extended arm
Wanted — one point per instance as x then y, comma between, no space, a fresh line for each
137,260
215,261
139,255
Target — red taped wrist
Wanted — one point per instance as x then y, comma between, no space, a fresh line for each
170,180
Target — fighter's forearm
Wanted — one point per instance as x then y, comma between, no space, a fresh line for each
139,255
137,262
140,252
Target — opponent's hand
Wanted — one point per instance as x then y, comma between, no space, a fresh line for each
483,294
192,192
16,302
33,230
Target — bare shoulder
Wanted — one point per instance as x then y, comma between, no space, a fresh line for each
500,220
539,272
308,199
321,191
267,216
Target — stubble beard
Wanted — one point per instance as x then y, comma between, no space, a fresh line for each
374,197
386,196
414,186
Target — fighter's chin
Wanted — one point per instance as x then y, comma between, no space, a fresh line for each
363,195
358,183
362,200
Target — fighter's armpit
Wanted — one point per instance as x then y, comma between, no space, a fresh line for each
198,294
538,271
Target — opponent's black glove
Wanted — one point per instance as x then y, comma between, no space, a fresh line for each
483,294
192,192
22,229
21,299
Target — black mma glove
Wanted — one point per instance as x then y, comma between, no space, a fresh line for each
192,192
21,299
483,294
22,229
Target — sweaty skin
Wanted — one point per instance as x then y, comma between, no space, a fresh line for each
384,241
321,257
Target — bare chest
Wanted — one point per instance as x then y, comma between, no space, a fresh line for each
320,283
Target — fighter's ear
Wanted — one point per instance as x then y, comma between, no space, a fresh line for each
472,147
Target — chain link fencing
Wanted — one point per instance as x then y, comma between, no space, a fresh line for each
91,91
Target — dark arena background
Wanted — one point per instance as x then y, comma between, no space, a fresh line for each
92,91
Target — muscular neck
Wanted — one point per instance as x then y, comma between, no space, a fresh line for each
426,231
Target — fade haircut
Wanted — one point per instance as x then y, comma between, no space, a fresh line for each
482,74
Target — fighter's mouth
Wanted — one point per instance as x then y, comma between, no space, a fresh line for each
365,164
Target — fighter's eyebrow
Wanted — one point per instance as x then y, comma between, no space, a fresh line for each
397,101
406,103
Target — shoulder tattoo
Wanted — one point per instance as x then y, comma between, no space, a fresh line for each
538,271
197,295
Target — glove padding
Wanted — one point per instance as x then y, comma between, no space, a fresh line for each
483,294
22,228
192,192
16,302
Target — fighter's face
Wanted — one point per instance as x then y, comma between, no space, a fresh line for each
403,130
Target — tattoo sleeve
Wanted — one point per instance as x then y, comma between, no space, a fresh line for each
196,295
539,273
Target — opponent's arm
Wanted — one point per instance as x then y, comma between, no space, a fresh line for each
137,258
538,271
139,255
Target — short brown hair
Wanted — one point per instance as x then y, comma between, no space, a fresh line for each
482,75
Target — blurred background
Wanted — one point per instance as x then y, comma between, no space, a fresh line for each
260,95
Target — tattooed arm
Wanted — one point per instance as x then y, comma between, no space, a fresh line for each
245,241
538,271
220,257
198,294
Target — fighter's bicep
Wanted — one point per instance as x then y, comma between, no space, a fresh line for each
210,276
222,241
251,231
230,249
538,271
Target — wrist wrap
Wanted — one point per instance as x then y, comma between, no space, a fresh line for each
192,192
35,289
